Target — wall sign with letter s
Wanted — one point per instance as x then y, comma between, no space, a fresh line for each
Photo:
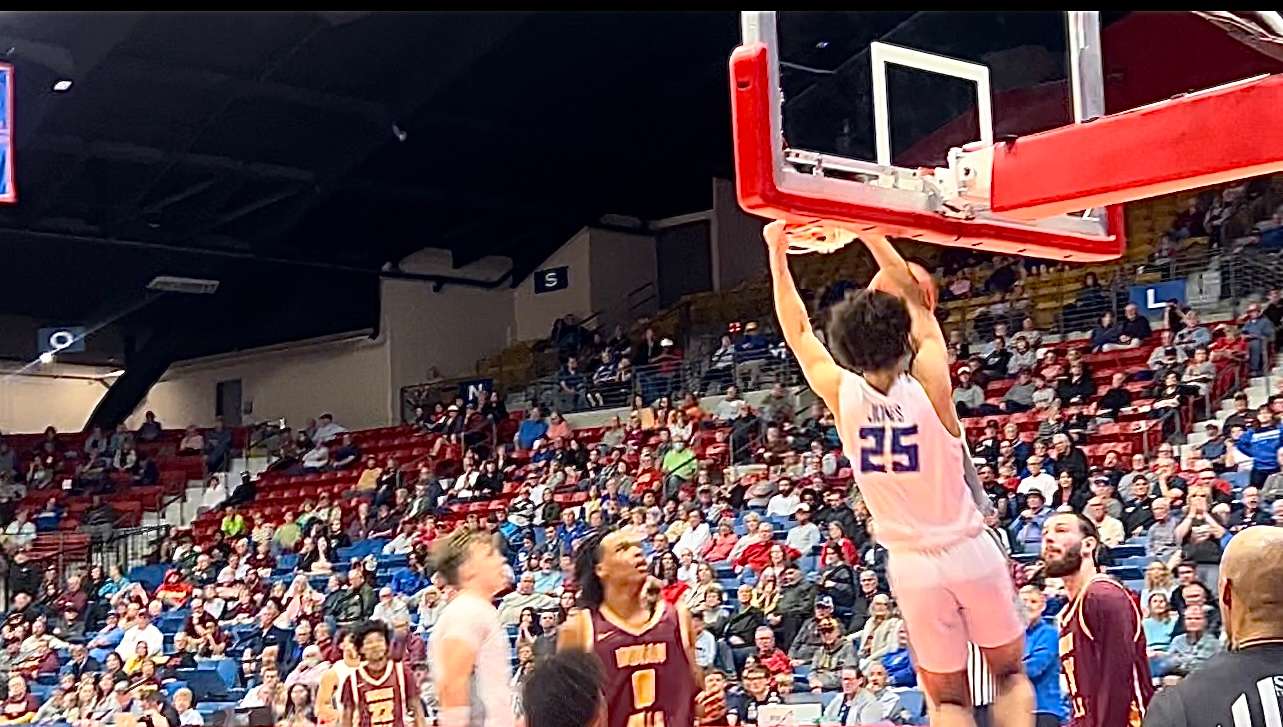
552,279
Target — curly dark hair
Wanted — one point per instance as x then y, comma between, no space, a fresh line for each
565,690
869,330
366,628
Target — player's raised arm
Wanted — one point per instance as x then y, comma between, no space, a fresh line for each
931,356
822,373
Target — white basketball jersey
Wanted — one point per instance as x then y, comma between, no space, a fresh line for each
908,466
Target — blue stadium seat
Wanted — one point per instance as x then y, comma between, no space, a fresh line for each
1127,550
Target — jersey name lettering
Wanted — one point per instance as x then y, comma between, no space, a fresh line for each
641,655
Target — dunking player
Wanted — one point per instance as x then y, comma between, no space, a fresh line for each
647,653
1242,687
380,692
469,647
1102,642
897,422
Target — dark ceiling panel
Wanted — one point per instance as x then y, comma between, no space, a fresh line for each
237,42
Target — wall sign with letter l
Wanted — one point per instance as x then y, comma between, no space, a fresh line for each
551,279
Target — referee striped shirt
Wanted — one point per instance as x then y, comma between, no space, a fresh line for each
978,674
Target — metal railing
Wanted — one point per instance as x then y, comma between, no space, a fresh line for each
671,379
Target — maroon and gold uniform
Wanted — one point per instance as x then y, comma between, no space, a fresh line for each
648,675
1103,656
380,700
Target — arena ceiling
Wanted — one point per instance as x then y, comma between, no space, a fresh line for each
292,155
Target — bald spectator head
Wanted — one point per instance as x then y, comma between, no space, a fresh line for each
1251,585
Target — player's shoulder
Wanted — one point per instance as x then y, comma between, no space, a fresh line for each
1107,591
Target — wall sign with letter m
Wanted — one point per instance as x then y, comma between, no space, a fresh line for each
552,279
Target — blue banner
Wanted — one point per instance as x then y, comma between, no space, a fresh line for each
1153,297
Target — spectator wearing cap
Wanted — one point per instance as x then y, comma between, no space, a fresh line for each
808,641
1104,489
805,535
1026,530
1138,512
968,397
1262,445
326,429
1259,332
833,654
548,578
1214,447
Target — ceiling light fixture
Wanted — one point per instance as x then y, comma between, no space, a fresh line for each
46,358
62,85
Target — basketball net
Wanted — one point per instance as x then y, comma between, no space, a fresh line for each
816,236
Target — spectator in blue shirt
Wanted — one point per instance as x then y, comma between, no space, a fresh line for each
548,578
1259,332
1026,531
1193,335
1042,659
899,664
750,353
1262,445
409,581
532,427
570,530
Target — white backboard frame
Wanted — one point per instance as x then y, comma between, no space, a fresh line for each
803,172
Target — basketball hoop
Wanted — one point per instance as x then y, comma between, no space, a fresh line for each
816,237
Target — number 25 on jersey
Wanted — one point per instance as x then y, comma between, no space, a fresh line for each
889,449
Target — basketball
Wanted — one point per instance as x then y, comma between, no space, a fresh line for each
925,282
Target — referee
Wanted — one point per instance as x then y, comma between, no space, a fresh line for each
1242,687
982,687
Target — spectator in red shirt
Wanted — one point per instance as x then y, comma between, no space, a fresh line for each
757,555
768,655
1229,347
723,541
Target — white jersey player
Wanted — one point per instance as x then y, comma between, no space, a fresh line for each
900,430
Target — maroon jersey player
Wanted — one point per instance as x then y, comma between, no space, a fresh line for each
647,653
1102,644
380,692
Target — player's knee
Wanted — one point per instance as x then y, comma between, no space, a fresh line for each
947,689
